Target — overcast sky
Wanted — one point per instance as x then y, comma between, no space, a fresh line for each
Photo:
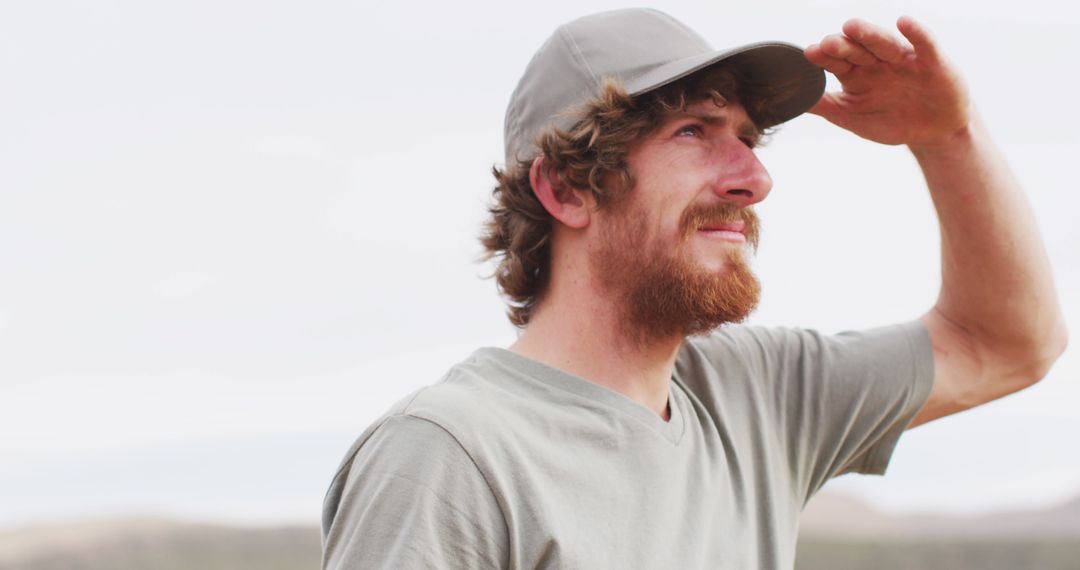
233,233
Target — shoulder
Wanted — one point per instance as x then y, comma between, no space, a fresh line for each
752,349
412,448
472,402
773,363
474,396
411,469
420,452
767,347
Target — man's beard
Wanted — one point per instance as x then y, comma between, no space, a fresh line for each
663,293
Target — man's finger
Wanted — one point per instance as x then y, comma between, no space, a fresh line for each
877,40
920,38
833,65
842,47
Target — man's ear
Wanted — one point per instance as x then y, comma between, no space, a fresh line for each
566,204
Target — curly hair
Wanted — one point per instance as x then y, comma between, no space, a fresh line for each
591,156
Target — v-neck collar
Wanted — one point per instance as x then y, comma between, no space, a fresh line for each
671,430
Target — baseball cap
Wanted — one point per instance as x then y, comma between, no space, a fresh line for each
643,49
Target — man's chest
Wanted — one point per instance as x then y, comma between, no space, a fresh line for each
612,502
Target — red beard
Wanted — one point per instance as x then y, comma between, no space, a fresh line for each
663,293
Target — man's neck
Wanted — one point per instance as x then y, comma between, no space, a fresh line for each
587,336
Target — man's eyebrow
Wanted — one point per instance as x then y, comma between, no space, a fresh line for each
747,129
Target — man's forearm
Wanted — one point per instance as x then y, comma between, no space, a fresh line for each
996,279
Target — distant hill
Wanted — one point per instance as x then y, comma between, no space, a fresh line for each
938,554
838,533
839,516
156,544
842,533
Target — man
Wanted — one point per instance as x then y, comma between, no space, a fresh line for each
623,429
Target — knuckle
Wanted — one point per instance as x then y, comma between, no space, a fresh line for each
854,28
832,44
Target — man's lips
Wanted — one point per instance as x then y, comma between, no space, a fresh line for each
730,231
736,226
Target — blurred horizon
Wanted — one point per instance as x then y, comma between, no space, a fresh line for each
836,532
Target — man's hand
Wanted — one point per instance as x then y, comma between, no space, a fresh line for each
996,326
894,92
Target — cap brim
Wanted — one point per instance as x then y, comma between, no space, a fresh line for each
769,63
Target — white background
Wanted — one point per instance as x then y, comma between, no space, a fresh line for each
233,233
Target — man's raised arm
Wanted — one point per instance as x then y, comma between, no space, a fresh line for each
996,327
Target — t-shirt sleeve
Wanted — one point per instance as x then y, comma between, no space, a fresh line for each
848,397
838,403
411,497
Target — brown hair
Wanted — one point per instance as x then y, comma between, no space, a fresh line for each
591,155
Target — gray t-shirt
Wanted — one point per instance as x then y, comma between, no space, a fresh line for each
509,463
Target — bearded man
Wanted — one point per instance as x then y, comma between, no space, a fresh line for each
625,428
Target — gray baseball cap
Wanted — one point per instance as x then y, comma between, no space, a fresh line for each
643,49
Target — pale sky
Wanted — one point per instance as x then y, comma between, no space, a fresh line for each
233,233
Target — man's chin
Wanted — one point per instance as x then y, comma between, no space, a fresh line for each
687,299
717,258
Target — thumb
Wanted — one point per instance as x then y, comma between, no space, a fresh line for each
828,108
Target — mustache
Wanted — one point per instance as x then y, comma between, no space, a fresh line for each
701,215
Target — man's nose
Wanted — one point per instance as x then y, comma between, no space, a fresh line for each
743,179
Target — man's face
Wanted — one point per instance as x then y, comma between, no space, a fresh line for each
674,250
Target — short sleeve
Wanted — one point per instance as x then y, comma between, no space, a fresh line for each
411,497
838,403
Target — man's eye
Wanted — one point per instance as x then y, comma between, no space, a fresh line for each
690,130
